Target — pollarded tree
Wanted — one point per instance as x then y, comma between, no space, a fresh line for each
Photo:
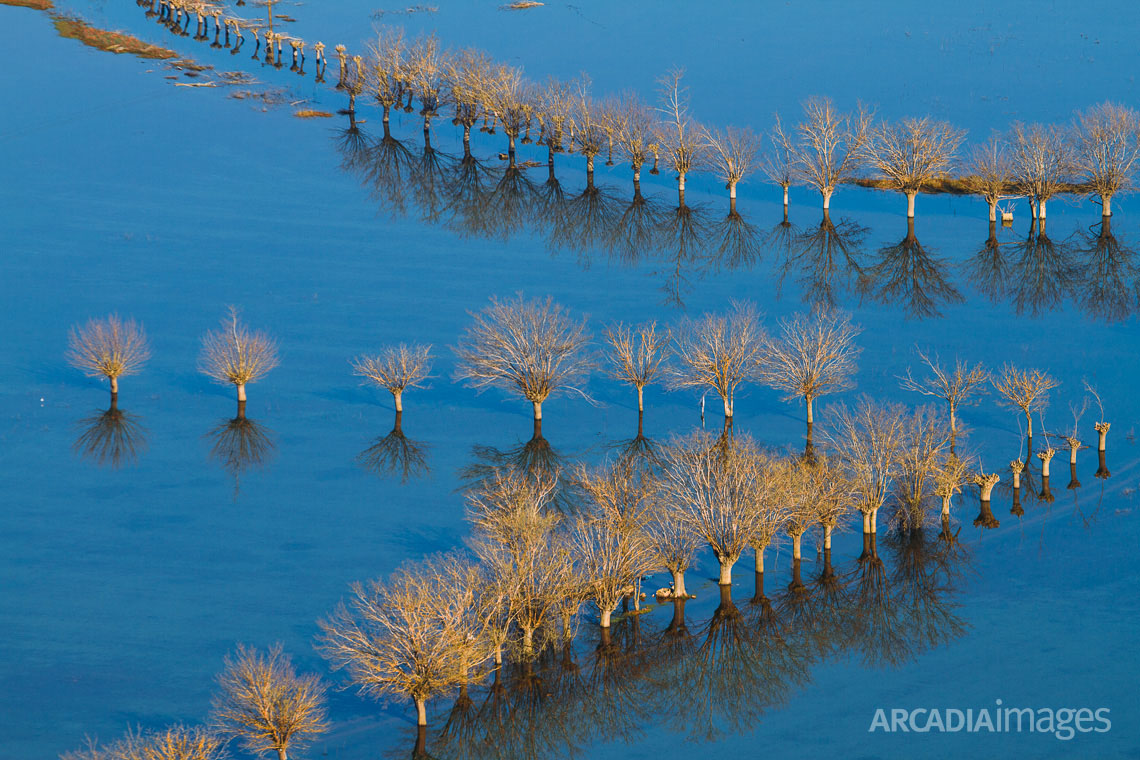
812,357
723,490
469,77
587,126
427,66
920,456
719,352
109,348
609,542
830,493
638,354
396,368
866,441
1108,146
912,153
387,69
1042,157
952,473
509,100
732,153
553,107
988,172
1027,390
683,140
530,346
235,355
265,705
636,138
830,146
406,637
779,162
955,385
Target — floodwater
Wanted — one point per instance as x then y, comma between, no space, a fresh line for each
140,548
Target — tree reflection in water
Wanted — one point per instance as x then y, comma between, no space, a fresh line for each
395,453
113,437
240,443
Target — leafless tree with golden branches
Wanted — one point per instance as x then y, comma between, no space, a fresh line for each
866,440
638,353
387,69
912,153
988,172
683,140
588,133
1042,156
719,352
396,368
813,356
406,637
427,67
508,98
172,743
636,135
1107,150
779,162
609,541
469,77
1027,390
236,355
673,540
921,453
530,346
108,347
955,385
265,705
732,153
830,145
724,491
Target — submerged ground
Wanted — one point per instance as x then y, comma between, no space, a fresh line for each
122,589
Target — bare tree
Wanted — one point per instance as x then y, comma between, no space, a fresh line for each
683,141
919,457
732,153
779,162
866,440
1042,162
517,539
532,346
724,491
109,348
673,541
409,636
587,126
952,473
469,77
830,145
508,99
1027,390
956,386
988,172
396,368
265,705
830,493
1108,146
387,71
553,108
912,153
638,353
427,66
719,352
609,541
814,356
172,743
235,355
636,137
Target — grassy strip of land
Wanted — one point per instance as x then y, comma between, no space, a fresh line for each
960,186
310,114
39,5
112,42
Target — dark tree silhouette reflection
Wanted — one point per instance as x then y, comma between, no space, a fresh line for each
908,274
113,437
396,454
1044,274
240,443
822,257
1110,289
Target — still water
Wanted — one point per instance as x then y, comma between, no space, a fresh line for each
122,587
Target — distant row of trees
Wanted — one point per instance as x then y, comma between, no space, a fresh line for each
1096,155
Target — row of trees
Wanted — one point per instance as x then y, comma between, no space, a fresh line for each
1095,155
536,348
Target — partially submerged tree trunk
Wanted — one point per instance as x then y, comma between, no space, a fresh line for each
537,410
605,618
640,399
827,537
826,193
993,213
1106,205
421,712
1102,471
785,202
398,399
1102,434
726,564
910,195
1046,456
679,584
946,505
241,392
796,543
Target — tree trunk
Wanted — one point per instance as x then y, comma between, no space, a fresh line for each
1044,469
398,397
637,176
1017,480
725,578
537,410
732,190
827,537
511,150
679,583
1029,425
281,754
1102,434
866,522
785,199
993,212
1106,205
640,398
728,406
241,392
114,386
946,504
241,410
605,622
421,712
1041,210
874,520
1072,455
528,641
810,417
796,541
760,558
466,139
910,205
826,193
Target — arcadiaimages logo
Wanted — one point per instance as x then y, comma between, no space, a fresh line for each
1063,722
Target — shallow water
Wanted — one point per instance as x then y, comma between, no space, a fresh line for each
122,589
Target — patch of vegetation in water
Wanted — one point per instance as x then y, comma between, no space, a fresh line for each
113,42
